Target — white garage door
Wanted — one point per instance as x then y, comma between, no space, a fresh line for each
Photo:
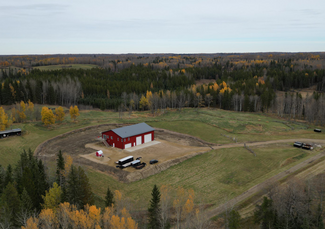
147,138
128,145
139,140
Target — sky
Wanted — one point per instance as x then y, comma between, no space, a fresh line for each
168,26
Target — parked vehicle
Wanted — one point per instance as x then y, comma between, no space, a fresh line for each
307,146
154,161
135,163
138,158
140,166
298,144
125,160
317,130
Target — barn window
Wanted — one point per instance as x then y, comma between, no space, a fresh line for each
105,137
121,140
128,139
118,139
112,137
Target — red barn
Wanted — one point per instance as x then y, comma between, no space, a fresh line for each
129,136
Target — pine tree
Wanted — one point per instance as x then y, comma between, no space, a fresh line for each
154,209
234,219
109,198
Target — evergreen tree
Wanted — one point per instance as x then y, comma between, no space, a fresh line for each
26,202
87,194
7,98
59,169
10,204
8,176
154,209
109,198
73,190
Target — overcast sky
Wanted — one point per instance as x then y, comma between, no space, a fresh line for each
167,26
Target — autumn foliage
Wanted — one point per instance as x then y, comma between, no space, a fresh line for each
47,116
68,216
74,112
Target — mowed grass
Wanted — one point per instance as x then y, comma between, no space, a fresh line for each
66,66
215,176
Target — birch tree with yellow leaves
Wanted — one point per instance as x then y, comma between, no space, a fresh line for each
3,119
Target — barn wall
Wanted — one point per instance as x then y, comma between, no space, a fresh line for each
131,140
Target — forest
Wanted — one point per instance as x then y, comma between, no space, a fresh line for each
242,82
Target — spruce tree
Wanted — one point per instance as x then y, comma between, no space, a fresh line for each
10,204
154,209
87,194
8,176
59,169
26,202
109,198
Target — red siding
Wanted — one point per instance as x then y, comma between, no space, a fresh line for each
117,139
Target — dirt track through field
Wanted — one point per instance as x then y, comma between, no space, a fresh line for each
305,140
261,186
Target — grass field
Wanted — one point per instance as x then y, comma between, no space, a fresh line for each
65,66
215,176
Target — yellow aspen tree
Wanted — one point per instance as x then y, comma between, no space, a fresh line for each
3,119
106,217
74,112
59,114
22,114
63,214
93,214
47,116
131,224
13,113
67,167
32,223
143,102
30,106
47,218
52,197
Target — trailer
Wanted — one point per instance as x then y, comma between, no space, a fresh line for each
317,130
125,160
7,133
298,144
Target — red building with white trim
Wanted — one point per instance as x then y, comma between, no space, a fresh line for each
129,136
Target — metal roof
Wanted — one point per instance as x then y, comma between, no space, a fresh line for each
10,131
128,131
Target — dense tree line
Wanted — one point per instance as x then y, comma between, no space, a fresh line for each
26,189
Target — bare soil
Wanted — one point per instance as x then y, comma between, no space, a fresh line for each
82,145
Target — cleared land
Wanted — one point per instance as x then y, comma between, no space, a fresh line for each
204,173
65,66
82,144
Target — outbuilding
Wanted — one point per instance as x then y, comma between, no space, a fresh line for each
99,153
6,133
129,136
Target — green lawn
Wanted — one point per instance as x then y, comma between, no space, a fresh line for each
66,66
215,176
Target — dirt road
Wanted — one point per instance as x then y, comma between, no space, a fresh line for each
305,140
259,187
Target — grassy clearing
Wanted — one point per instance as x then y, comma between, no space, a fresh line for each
218,174
214,176
65,66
